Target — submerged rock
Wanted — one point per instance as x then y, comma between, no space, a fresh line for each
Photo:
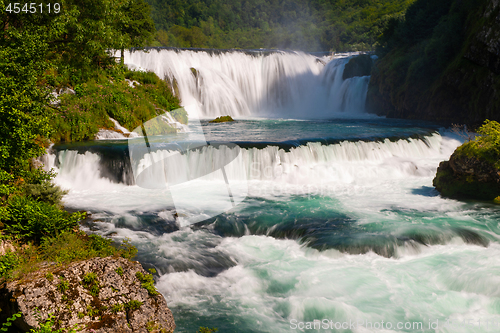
221,119
96,295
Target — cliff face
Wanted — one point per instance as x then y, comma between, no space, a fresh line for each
96,295
453,74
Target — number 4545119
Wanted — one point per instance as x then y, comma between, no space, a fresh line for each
33,8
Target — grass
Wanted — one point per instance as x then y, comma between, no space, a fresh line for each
60,250
147,282
80,116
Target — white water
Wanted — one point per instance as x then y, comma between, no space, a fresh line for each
350,168
276,85
382,188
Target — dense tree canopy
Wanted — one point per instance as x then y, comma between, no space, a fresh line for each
311,25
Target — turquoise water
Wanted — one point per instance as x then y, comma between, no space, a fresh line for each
339,225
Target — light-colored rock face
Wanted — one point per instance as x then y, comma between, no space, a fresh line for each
5,247
97,295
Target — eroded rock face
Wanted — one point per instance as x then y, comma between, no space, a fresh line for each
467,178
467,91
97,295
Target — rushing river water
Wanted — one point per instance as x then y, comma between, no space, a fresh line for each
334,220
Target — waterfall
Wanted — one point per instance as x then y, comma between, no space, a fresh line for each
312,163
256,84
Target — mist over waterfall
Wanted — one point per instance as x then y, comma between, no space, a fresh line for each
257,84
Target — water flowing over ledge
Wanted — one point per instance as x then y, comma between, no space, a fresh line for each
260,84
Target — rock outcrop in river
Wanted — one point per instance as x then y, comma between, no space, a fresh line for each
111,295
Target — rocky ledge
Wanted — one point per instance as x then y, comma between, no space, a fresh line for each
96,295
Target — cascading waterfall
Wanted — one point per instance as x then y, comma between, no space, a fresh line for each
310,163
241,84
337,223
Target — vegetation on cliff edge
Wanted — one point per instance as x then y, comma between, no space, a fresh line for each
38,53
430,66
311,25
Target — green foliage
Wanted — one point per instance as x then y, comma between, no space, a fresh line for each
8,262
69,246
119,271
46,191
117,308
147,282
8,323
91,283
425,41
81,115
63,285
312,25
127,250
49,276
486,146
29,219
221,119
133,305
207,330
47,326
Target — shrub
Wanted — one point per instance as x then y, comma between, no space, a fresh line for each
119,271
8,323
46,191
8,262
63,285
133,305
117,308
147,282
91,283
31,219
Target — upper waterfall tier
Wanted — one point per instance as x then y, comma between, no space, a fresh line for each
290,85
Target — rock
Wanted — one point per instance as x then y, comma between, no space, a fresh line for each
358,66
96,295
132,83
465,89
6,246
105,134
467,178
66,91
195,72
221,119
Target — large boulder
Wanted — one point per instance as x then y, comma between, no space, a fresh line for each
358,66
95,295
464,177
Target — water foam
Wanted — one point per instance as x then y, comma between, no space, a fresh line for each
277,85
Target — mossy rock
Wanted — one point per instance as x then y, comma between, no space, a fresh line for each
221,119
458,185
358,66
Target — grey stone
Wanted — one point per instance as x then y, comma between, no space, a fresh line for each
39,295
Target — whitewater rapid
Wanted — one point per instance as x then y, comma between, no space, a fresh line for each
334,221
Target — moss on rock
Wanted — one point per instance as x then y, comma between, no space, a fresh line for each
473,171
221,119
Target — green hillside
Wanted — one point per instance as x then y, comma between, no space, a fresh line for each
311,25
